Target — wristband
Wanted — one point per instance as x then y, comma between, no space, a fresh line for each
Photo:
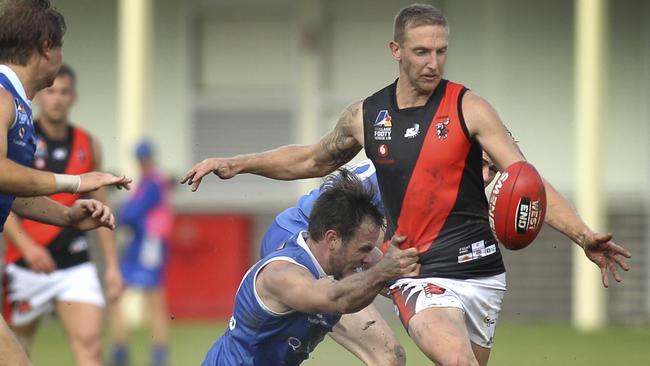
67,183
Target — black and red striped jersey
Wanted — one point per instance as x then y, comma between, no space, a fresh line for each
429,173
73,155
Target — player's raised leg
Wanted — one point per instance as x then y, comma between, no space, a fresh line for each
83,324
367,335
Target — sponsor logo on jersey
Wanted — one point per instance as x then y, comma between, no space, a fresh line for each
383,119
21,116
41,149
383,124
294,343
413,131
60,153
475,251
383,150
21,132
78,245
442,130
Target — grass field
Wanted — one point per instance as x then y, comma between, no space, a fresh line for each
516,345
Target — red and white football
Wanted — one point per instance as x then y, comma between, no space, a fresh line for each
517,206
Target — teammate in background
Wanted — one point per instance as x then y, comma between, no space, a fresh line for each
49,267
375,345
424,135
31,37
148,213
288,301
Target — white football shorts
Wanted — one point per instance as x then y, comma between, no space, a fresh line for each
28,295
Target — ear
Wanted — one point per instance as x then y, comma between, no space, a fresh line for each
332,239
45,49
395,50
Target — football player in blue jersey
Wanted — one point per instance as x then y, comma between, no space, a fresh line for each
364,333
31,37
290,299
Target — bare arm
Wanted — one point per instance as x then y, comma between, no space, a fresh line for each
42,209
83,215
21,181
37,257
288,286
106,237
484,123
292,161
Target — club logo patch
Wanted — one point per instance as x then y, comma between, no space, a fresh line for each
383,125
442,130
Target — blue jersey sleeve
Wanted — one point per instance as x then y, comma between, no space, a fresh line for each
139,206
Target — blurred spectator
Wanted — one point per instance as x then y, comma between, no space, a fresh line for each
149,216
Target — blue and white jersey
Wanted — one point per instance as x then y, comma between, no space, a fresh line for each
296,218
256,335
21,138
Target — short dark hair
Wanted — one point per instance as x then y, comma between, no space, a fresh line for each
25,25
68,71
344,203
415,15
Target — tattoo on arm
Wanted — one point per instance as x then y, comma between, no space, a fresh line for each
340,145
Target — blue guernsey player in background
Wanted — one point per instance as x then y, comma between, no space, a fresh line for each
149,215
288,301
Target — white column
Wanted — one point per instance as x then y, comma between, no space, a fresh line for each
310,51
134,65
589,302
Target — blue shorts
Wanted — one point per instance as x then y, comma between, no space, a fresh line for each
274,237
143,265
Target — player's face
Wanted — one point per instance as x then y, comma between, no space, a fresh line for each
489,170
55,102
422,56
357,252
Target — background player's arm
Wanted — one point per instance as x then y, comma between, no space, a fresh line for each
112,275
17,180
83,215
37,257
292,161
294,287
485,125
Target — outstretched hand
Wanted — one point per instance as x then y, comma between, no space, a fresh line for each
222,167
95,180
607,255
90,214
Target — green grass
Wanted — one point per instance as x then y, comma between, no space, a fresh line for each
516,345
